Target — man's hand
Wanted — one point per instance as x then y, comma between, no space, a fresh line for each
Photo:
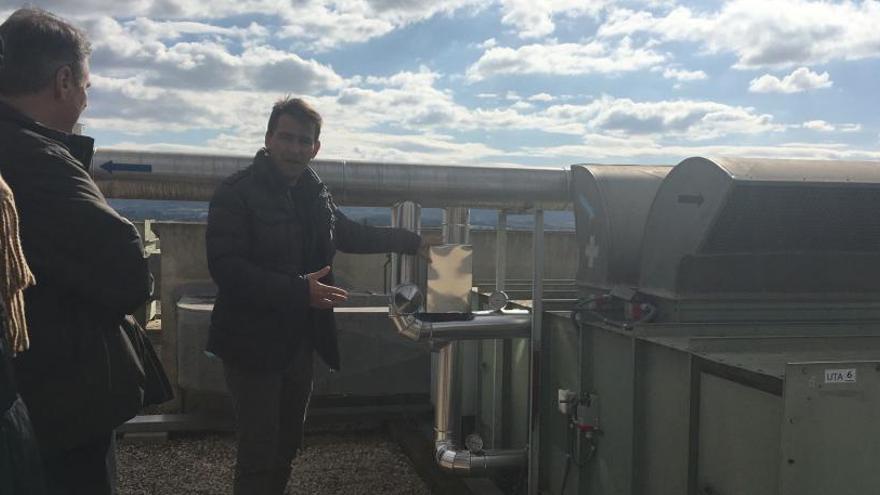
323,296
424,250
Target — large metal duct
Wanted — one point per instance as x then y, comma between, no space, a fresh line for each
756,229
175,176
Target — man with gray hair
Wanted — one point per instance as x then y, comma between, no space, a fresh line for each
87,260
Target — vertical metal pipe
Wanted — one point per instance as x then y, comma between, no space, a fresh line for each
446,418
404,267
456,225
501,251
536,339
498,346
456,230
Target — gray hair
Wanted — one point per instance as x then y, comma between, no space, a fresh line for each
37,44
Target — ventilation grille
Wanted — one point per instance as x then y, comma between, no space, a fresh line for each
795,218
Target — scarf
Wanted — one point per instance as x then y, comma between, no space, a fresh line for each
15,275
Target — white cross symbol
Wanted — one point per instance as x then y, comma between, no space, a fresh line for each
591,251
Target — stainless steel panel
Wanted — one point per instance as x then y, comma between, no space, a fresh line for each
563,372
831,429
739,433
450,278
612,360
662,419
536,377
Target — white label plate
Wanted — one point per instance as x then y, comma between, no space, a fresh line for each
840,375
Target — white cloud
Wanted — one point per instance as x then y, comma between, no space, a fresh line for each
147,50
418,120
321,25
823,126
188,66
682,75
148,29
564,59
689,119
762,34
535,18
313,24
599,147
818,125
802,79
542,97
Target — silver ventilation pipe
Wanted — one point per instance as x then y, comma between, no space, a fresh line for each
483,325
448,383
194,177
404,267
456,225
449,455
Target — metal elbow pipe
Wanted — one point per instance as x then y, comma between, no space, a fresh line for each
409,327
466,463
493,325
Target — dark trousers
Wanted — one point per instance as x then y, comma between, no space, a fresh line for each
270,409
82,470
21,469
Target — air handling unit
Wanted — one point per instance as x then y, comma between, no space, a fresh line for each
728,332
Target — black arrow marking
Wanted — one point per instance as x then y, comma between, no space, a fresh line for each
691,199
111,166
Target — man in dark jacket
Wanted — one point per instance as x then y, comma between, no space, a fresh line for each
87,260
273,230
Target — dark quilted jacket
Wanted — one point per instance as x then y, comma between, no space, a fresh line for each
90,271
262,237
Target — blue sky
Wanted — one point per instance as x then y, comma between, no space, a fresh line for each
508,82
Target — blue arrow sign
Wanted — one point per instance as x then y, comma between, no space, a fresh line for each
111,166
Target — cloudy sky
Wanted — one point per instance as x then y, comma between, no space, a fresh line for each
532,82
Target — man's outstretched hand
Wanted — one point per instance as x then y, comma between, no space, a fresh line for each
323,296
424,250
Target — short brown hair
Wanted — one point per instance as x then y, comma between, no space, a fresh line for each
299,110
37,44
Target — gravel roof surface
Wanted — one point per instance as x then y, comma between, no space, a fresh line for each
338,459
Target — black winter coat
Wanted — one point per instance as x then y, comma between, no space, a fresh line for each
90,272
263,236
21,469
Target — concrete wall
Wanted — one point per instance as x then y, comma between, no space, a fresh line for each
183,265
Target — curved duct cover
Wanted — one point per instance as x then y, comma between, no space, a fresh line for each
611,204
752,228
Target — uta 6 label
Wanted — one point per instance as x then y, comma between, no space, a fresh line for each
840,376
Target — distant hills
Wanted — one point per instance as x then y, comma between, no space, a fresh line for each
197,211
